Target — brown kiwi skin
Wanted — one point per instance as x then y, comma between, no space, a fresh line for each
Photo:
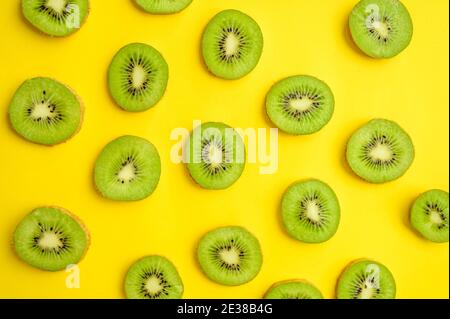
82,225
82,109
287,281
77,219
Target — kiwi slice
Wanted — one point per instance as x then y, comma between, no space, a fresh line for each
300,104
45,111
429,215
310,211
51,238
128,168
153,277
230,255
232,44
366,279
56,17
217,155
293,289
137,77
163,6
380,151
381,28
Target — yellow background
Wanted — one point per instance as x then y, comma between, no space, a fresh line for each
301,37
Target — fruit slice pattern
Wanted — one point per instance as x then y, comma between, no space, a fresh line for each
49,238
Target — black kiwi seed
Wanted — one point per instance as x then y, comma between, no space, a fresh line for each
146,66
300,94
221,44
140,94
44,239
161,272
381,33
231,62
59,17
56,18
300,104
366,279
322,210
310,211
148,273
380,151
129,160
229,246
216,161
65,246
217,266
219,167
380,140
361,282
429,215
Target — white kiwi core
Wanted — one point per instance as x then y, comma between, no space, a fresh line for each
138,77
381,152
153,285
49,240
313,211
435,218
301,104
41,111
230,256
381,28
127,173
231,44
56,5
214,155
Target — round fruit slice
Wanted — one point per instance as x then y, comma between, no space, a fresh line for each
45,111
163,6
380,151
153,277
217,155
56,17
50,238
366,279
128,168
230,255
232,44
310,211
300,104
293,289
429,215
137,77
381,28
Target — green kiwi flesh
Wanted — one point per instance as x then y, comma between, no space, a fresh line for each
56,17
293,289
230,255
366,279
381,28
232,44
429,215
153,277
50,238
217,155
137,77
45,111
127,169
163,6
310,211
300,104
380,151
